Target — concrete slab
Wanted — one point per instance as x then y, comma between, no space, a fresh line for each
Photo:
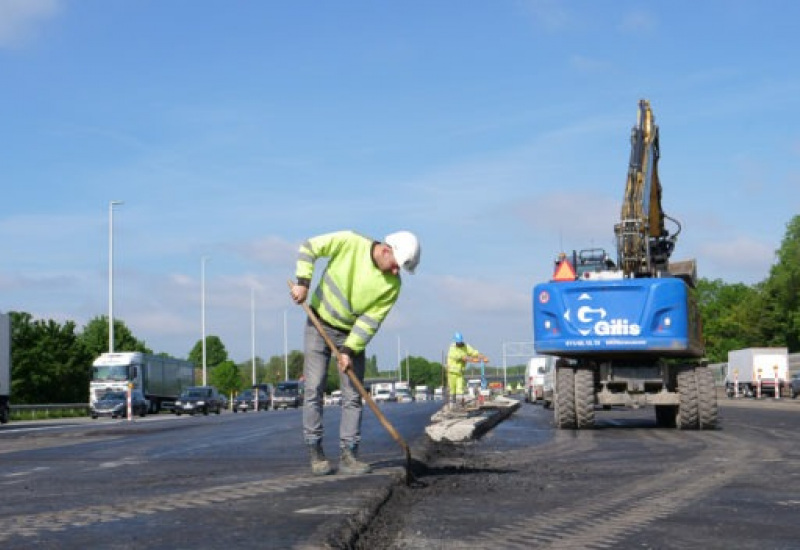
470,422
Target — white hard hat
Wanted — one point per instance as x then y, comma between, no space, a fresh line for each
405,246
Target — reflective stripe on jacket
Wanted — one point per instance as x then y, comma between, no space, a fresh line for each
457,357
353,294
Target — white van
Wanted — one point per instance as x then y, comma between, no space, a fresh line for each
549,382
534,378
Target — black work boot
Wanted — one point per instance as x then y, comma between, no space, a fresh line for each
349,464
319,464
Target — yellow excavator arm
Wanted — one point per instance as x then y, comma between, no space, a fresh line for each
643,243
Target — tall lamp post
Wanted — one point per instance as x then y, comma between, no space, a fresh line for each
203,311
285,350
111,205
253,333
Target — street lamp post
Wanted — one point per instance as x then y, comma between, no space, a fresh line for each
111,205
253,333
285,349
203,311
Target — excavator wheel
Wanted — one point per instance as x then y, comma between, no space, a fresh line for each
686,417
565,397
707,399
584,397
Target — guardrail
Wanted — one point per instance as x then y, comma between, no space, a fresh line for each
50,410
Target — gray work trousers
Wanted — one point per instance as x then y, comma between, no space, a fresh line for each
315,370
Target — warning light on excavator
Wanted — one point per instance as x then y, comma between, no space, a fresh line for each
564,271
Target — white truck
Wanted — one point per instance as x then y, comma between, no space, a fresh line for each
161,379
402,392
754,370
422,393
382,392
5,367
534,378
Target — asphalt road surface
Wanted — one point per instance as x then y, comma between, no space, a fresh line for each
626,484
242,481
229,481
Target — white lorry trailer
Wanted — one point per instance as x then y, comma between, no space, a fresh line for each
5,367
757,371
160,379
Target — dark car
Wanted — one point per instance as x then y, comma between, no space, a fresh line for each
288,394
115,404
198,399
794,385
246,401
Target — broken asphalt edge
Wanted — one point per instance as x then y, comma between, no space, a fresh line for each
459,427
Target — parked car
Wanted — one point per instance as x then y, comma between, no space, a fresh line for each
794,385
288,394
115,404
198,399
246,401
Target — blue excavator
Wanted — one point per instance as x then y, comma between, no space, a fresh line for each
627,333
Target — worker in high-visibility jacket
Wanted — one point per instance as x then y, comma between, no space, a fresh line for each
457,357
360,285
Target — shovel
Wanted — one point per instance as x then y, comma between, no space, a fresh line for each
364,393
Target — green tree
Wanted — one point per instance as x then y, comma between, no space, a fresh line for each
49,363
226,376
246,372
215,352
95,337
371,368
781,313
729,313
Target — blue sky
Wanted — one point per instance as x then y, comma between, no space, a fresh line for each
497,131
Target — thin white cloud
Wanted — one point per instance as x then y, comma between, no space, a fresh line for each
638,23
480,296
551,15
741,259
576,217
586,64
20,20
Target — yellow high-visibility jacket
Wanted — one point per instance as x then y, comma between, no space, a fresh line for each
353,294
457,357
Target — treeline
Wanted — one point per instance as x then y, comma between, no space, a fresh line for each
51,362
766,314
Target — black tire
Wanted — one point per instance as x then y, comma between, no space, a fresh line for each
565,398
205,411
686,417
706,399
584,397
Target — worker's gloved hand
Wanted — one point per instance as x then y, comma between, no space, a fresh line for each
345,362
299,293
